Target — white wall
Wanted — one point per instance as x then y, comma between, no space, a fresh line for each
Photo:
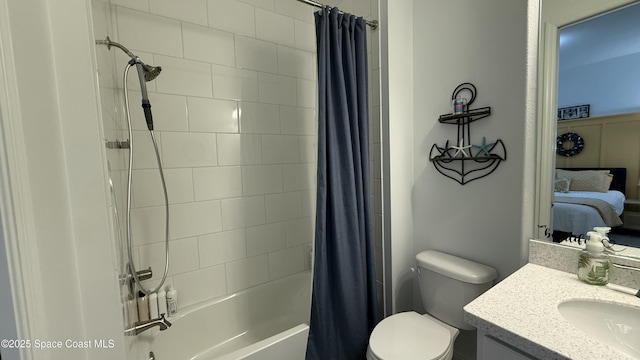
610,86
397,138
7,318
487,46
65,249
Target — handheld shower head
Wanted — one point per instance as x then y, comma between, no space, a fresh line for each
145,73
151,72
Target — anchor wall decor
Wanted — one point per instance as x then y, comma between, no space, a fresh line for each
464,162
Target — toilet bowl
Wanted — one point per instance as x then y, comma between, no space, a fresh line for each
409,335
447,284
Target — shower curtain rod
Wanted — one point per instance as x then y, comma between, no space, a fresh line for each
372,23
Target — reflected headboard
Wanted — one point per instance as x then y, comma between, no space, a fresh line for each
619,176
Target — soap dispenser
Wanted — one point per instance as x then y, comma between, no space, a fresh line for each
593,264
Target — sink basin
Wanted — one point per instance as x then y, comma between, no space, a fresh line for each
614,324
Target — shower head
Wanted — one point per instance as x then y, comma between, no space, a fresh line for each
145,73
151,72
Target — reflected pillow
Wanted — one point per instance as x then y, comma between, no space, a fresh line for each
587,180
562,185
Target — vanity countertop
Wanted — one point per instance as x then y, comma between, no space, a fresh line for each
522,311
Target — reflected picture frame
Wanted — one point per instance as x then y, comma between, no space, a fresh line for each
574,112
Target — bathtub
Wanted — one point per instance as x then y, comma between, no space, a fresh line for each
264,322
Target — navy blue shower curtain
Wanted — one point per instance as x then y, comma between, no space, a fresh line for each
344,306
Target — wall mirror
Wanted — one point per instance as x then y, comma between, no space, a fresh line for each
611,131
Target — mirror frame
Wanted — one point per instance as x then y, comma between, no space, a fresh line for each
546,127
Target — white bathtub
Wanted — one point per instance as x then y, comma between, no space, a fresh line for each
265,322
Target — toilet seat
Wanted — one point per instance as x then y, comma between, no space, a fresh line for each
408,336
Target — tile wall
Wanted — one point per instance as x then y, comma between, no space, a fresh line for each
234,112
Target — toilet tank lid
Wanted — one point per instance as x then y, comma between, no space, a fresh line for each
455,267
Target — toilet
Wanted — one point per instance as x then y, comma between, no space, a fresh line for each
447,284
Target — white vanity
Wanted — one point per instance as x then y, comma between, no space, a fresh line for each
519,318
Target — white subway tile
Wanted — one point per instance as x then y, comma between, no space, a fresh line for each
377,164
235,84
213,115
259,118
308,149
133,83
184,77
308,202
307,90
144,156
294,62
169,112
298,121
295,9
305,37
274,27
262,179
277,89
299,176
265,4
299,231
183,257
217,182
265,238
142,5
280,149
151,33
147,187
374,86
242,212
197,218
362,8
200,285
255,54
209,45
194,11
283,206
239,149
147,225
182,149
232,16
377,196
374,118
285,262
248,272
221,247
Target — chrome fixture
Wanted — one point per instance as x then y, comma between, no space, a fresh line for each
628,267
371,23
145,73
129,280
142,326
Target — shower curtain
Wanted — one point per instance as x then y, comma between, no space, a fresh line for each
344,308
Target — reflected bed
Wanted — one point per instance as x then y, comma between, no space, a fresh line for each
575,219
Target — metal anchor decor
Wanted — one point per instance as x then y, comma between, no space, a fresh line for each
465,162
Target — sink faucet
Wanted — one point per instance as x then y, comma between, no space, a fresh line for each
627,267
142,326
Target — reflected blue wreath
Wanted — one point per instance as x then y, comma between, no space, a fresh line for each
578,144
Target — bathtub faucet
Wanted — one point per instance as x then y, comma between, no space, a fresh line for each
142,326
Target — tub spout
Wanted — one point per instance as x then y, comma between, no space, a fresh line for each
142,326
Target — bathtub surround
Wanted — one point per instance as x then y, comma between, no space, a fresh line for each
233,110
344,303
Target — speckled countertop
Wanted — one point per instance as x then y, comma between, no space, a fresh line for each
522,311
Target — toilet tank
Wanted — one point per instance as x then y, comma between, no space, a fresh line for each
448,283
